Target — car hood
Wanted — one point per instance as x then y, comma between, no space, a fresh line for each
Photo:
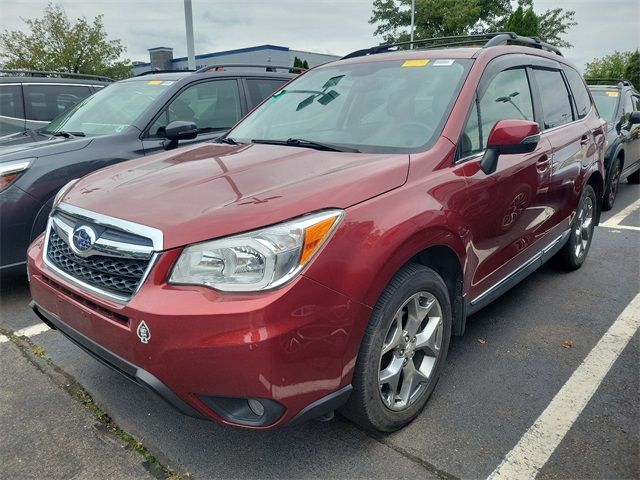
210,190
35,144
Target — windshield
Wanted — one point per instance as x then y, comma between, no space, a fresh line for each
111,110
374,107
606,103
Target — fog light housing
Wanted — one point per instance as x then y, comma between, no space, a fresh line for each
253,412
256,407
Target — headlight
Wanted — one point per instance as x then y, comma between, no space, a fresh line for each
257,260
10,171
64,190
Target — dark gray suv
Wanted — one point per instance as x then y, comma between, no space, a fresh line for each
30,99
619,105
130,118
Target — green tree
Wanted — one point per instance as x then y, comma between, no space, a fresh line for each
632,70
616,65
54,43
298,63
438,18
434,18
523,22
554,23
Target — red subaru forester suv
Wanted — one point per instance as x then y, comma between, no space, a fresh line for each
321,255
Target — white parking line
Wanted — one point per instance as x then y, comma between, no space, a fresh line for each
620,216
32,330
617,228
539,442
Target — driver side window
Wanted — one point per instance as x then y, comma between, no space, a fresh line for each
507,97
212,105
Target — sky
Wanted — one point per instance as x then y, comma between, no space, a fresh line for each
324,26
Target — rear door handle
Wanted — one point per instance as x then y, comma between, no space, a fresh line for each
584,140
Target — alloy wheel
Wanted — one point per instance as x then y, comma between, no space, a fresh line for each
410,351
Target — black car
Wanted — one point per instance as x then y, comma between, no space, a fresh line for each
619,104
30,99
130,118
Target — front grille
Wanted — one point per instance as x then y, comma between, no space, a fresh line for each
119,276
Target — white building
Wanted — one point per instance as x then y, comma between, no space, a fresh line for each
161,58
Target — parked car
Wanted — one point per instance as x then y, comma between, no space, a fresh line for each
30,99
322,254
131,118
619,104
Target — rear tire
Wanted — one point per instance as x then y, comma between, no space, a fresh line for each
612,186
574,252
634,177
403,350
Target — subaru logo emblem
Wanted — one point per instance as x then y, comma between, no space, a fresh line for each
83,239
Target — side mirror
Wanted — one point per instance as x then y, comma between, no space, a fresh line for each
634,118
179,130
508,137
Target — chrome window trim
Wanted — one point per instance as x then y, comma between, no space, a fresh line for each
561,126
57,84
469,157
154,234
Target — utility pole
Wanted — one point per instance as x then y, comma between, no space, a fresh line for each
188,20
413,20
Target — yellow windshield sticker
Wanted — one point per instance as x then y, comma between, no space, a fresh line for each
415,63
612,94
154,82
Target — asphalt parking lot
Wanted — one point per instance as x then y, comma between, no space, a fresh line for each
507,372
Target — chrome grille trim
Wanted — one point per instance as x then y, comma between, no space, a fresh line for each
103,247
151,233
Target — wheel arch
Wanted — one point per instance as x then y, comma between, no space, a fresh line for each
620,156
446,263
596,182
442,251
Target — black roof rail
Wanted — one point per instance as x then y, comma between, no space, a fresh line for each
486,40
153,72
267,66
39,73
607,81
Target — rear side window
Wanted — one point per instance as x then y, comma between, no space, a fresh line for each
507,97
556,106
11,101
45,102
579,90
261,88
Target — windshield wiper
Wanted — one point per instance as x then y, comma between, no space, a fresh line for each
227,140
300,142
62,133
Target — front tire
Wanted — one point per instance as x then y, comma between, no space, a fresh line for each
403,350
574,252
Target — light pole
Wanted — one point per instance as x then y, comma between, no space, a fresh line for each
188,20
413,20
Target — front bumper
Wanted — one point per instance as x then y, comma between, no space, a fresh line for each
293,349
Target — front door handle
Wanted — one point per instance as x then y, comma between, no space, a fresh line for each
542,164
